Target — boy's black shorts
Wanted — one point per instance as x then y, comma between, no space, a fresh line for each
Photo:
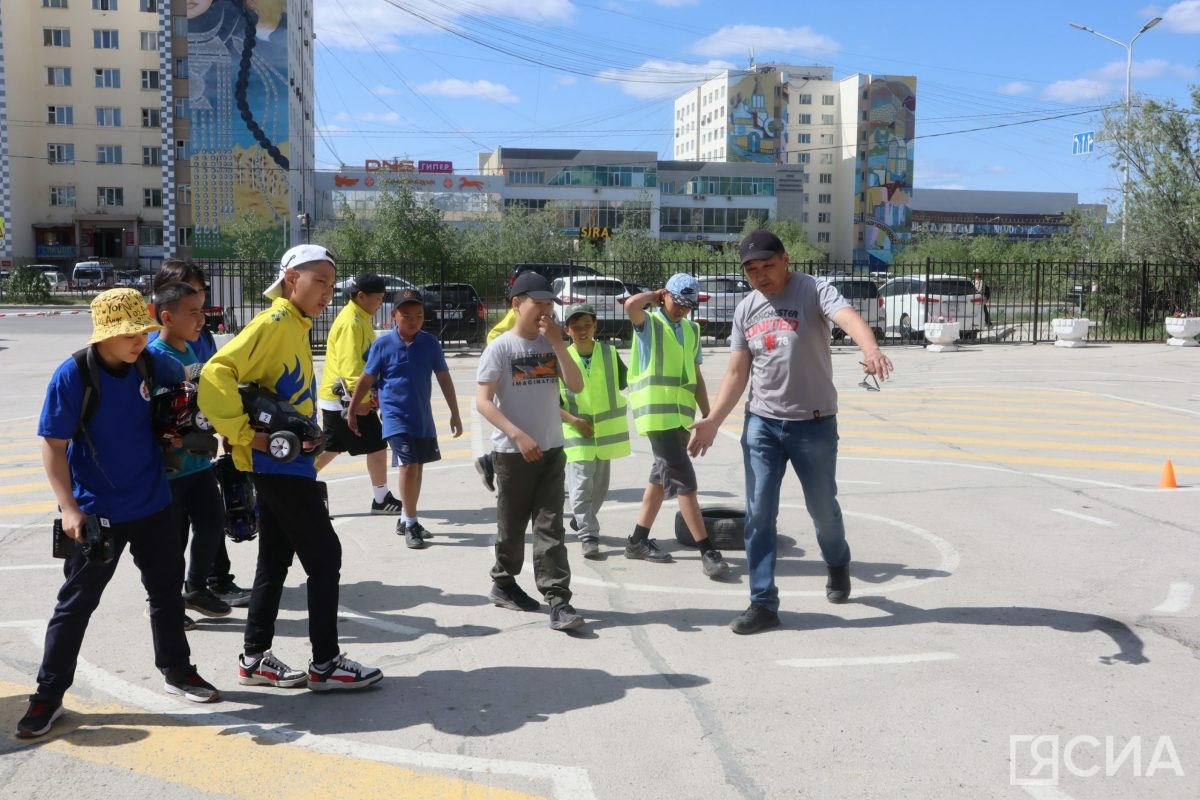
672,468
340,439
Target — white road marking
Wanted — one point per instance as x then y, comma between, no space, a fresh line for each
31,566
862,661
1178,598
1084,517
381,624
1046,793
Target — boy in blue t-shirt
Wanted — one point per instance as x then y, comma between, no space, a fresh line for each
195,495
402,362
111,466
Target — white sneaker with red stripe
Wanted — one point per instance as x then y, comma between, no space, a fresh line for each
270,671
342,673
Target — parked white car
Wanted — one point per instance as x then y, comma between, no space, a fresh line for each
863,294
719,297
912,301
608,295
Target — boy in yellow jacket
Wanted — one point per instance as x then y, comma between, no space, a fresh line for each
273,352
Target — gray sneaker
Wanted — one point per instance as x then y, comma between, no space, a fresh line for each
647,550
591,549
563,617
411,534
714,565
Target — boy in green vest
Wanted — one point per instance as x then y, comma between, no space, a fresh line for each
595,427
665,388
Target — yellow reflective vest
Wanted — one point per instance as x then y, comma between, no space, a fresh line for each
662,395
601,404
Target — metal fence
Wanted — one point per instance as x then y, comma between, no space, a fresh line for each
1124,302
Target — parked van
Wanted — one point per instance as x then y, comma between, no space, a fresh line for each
94,275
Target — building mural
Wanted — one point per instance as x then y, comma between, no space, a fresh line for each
884,219
238,114
755,121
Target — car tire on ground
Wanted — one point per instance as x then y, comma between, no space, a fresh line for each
725,525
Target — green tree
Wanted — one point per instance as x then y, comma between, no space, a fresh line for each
27,285
793,237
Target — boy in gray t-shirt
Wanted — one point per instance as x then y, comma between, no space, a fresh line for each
517,392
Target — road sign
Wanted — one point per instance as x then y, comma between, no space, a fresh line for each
1083,143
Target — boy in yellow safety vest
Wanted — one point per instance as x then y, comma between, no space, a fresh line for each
595,425
665,389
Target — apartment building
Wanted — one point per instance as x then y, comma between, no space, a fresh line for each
135,129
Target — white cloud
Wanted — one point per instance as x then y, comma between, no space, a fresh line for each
1115,70
999,169
563,81
955,186
1183,17
453,87
382,90
1075,90
1015,88
371,116
738,40
362,24
656,79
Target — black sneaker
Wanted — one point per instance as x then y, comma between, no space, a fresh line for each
390,505
230,592
647,550
714,565
39,717
564,618
754,619
591,549
189,624
420,530
512,597
412,538
837,588
188,684
204,601
487,471
342,674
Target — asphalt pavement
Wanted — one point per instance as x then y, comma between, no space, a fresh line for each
1023,622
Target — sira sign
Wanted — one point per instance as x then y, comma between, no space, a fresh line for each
595,233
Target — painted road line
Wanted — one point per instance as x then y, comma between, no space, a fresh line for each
1008,442
865,661
1084,517
1179,597
1045,792
9,568
380,624
1001,455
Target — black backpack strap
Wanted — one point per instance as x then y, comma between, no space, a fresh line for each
88,364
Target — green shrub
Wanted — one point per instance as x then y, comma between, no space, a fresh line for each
27,285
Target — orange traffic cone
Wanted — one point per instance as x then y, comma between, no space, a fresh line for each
1167,481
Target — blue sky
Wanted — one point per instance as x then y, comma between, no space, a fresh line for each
1002,87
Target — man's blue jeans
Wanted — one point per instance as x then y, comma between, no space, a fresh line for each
811,447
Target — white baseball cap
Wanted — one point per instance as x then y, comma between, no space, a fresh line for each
297,257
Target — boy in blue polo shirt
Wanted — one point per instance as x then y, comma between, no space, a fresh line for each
402,363
109,463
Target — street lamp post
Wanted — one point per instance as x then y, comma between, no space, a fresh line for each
1128,82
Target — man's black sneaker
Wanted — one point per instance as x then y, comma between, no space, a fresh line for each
837,588
39,717
230,592
487,471
204,601
591,549
342,674
411,534
188,684
564,618
754,619
647,550
512,597
390,505
189,624
714,565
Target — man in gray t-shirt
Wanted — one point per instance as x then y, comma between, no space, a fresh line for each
780,347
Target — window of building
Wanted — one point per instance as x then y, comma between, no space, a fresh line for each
148,5
826,177
824,199
58,76
152,198
804,138
62,195
181,108
822,237
149,40
151,79
803,158
181,68
60,115
151,118
150,235
824,217
54,3
180,149
110,196
106,39
827,119
179,25
151,156
108,117
828,100
804,99
826,158
183,194
804,217
108,78
109,154
60,153
804,119
104,5
183,237
56,37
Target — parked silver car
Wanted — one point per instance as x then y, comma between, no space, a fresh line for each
719,297
863,295
608,295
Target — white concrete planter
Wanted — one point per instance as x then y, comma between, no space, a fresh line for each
222,338
1183,331
1070,332
941,336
